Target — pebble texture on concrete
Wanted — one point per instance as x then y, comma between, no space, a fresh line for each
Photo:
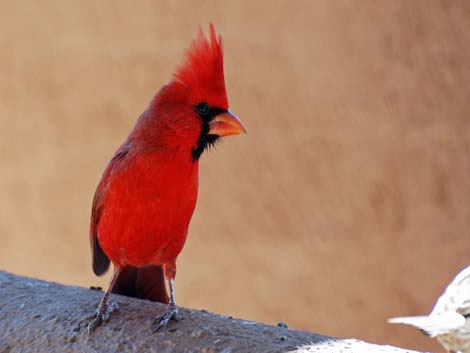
37,316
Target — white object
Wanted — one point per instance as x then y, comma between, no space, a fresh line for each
449,321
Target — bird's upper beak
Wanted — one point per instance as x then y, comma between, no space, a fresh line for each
225,124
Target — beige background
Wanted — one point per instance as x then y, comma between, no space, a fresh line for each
349,200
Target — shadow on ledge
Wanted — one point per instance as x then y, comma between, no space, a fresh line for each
37,316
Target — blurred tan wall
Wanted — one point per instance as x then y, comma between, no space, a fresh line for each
347,203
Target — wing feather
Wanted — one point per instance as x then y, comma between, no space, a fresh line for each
100,260
433,325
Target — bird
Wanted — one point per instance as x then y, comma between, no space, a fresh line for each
145,199
449,321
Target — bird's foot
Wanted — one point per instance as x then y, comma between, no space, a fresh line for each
171,313
100,316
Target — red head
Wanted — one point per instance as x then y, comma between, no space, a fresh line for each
203,71
192,111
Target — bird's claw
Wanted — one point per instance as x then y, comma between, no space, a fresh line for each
97,321
100,316
162,321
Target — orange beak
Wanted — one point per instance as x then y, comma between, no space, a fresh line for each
226,124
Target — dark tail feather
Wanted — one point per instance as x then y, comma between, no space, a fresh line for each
143,283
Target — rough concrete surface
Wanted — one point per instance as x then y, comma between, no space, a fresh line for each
37,316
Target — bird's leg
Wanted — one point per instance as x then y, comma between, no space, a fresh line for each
171,310
104,308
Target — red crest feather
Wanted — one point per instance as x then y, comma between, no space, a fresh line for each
203,70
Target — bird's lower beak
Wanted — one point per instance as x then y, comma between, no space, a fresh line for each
225,124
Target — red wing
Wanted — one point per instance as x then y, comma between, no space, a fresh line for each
100,260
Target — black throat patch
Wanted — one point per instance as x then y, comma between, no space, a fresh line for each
205,140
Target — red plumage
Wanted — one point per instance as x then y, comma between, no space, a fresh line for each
147,194
203,70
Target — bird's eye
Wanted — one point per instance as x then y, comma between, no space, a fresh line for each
203,109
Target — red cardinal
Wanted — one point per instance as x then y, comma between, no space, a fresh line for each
147,194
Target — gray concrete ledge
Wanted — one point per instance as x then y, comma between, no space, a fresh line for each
38,316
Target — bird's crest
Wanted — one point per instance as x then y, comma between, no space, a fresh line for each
203,70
